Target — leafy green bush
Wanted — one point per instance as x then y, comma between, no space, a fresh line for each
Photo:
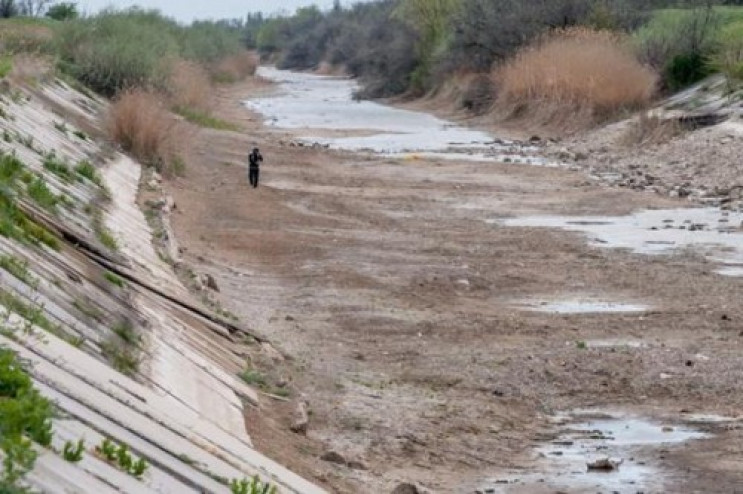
122,49
728,56
207,41
681,43
86,170
253,486
63,11
115,279
685,69
42,195
116,50
119,454
73,452
6,65
19,269
24,415
58,167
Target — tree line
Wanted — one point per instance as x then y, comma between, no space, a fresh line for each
399,46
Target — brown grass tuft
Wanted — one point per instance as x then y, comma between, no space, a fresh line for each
650,129
574,78
235,68
141,124
190,86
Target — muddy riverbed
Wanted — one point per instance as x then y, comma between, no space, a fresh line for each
441,314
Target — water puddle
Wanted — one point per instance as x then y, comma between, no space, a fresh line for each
584,307
716,233
615,343
617,441
307,101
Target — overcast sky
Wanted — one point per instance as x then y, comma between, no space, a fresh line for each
208,9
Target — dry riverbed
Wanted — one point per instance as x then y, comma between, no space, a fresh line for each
442,338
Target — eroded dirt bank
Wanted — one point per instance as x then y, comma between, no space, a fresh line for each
397,293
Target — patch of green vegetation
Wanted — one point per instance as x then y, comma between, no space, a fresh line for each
254,378
33,314
124,358
19,269
61,126
58,167
80,134
118,454
253,486
6,65
73,452
581,345
6,136
186,459
88,309
114,279
204,119
42,195
27,141
25,416
13,222
102,232
86,170
125,330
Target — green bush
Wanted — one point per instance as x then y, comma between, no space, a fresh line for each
58,167
121,49
116,50
253,486
63,11
24,415
728,56
686,69
86,170
42,195
73,452
6,65
207,41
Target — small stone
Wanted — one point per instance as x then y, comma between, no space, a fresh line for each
667,429
605,464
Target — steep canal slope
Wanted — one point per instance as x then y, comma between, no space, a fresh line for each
108,331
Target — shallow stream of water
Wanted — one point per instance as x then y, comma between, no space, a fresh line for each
715,233
587,436
310,104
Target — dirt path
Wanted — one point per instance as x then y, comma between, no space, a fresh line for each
395,291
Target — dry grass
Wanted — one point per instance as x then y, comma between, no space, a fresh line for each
574,78
235,68
141,124
190,86
650,129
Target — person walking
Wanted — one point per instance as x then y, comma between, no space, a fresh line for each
254,159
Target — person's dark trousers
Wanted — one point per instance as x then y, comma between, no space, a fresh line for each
253,176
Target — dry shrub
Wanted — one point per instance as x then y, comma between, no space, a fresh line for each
574,77
189,86
29,68
650,129
141,124
234,68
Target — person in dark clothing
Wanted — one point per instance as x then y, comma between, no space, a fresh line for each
254,168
